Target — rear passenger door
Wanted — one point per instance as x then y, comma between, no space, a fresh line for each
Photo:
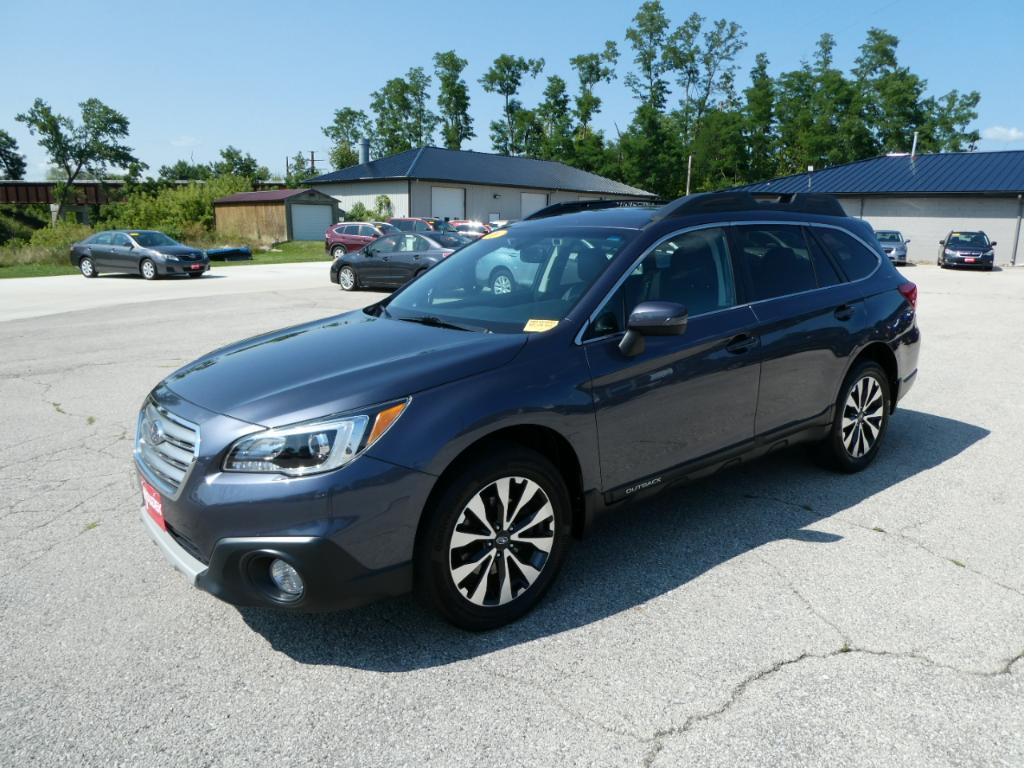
809,318
407,259
99,249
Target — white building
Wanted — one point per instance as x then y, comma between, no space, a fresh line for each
430,181
928,196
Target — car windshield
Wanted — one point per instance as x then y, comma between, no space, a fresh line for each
404,225
967,240
388,229
509,281
889,237
152,239
447,240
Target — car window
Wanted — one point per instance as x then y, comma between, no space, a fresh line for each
411,244
103,238
776,259
388,229
824,267
855,259
387,244
366,230
967,240
889,237
513,281
121,239
693,269
403,225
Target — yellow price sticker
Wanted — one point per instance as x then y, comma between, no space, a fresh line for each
496,233
539,326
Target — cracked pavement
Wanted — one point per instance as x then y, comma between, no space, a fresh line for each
776,614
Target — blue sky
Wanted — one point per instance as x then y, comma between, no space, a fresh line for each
266,76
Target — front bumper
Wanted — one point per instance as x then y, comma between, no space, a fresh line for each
238,572
183,267
962,261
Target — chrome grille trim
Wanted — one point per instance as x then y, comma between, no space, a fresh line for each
168,459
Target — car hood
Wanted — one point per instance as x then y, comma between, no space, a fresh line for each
176,250
335,365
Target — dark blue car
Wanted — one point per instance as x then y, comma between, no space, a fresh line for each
451,438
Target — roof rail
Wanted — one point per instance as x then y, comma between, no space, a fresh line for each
725,202
557,209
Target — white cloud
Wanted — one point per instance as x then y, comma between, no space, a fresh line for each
185,141
1002,133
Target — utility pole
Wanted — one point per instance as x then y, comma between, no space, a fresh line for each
287,166
689,170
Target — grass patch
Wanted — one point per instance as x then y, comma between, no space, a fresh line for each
36,270
91,526
284,253
957,563
876,529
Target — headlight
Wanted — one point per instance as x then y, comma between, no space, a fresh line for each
168,257
949,252
989,254
313,446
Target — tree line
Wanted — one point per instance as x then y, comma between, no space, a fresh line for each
684,81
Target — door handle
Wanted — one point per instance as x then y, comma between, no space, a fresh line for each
844,312
744,342
383,258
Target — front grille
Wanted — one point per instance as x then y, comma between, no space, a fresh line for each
187,544
166,445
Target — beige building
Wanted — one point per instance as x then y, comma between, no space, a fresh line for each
276,215
430,181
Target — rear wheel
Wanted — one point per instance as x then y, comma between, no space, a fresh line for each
148,269
495,540
347,279
861,419
338,250
501,282
87,267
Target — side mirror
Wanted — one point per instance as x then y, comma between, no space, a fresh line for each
993,244
652,318
906,242
368,252
942,242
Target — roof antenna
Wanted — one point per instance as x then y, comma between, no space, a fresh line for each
913,147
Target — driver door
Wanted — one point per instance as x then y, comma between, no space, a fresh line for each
374,260
122,255
684,397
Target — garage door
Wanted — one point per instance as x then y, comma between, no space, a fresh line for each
533,202
448,202
309,222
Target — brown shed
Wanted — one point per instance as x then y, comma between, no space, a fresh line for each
276,215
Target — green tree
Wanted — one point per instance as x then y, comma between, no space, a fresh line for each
382,207
893,95
349,126
555,139
511,135
402,117
299,170
649,37
93,146
184,170
422,121
235,162
759,121
591,69
946,128
453,99
12,162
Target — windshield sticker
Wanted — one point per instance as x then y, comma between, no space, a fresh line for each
134,234
492,235
539,326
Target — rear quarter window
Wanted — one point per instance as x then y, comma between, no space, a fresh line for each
854,258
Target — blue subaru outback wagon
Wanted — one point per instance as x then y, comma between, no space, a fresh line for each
451,438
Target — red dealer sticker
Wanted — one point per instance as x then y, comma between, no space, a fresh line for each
154,504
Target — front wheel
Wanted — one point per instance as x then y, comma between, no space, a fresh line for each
861,419
501,282
87,267
347,279
148,269
495,540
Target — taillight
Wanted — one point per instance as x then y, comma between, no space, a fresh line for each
909,291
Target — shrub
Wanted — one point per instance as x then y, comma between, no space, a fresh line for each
359,212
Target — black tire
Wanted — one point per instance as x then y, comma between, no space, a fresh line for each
87,267
338,250
436,557
502,277
851,448
352,284
148,270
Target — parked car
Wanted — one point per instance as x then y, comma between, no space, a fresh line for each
391,261
893,245
503,271
451,440
473,229
353,235
421,224
143,252
967,249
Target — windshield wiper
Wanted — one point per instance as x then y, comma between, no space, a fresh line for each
436,322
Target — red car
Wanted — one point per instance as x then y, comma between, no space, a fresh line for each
353,235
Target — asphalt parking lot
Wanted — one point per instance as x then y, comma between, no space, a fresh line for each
776,615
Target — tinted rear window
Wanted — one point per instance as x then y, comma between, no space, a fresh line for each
776,260
855,259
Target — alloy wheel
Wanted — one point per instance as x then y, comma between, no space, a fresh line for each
347,278
148,269
501,541
863,413
86,266
501,285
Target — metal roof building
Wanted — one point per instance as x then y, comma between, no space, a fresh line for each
430,181
927,196
276,215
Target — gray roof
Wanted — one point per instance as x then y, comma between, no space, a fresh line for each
263,196
436,164
948,173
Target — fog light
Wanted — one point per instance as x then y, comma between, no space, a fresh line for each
286,579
